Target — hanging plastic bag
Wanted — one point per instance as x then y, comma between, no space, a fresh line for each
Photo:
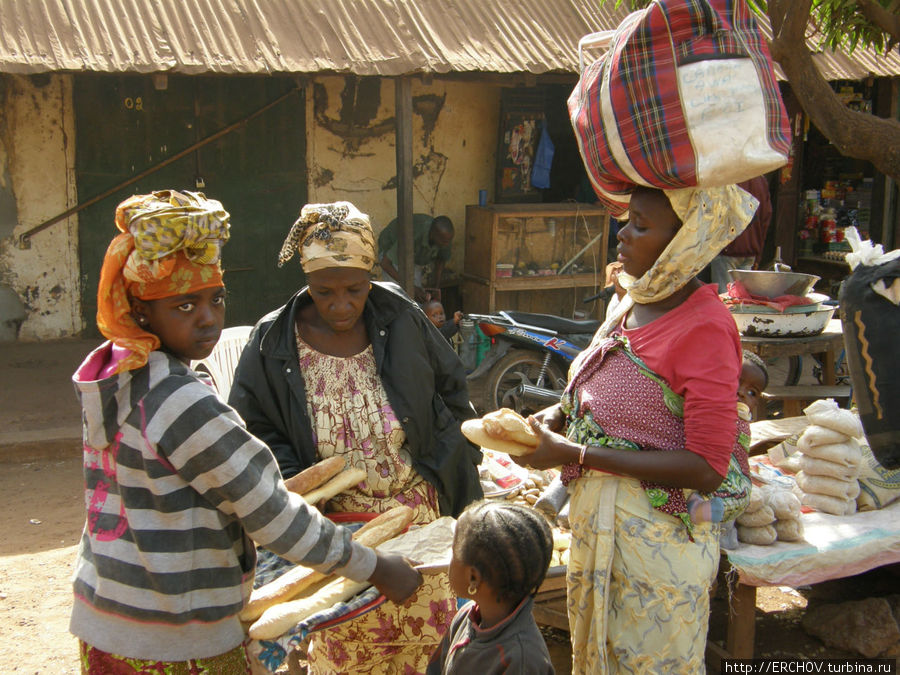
685,96
543,160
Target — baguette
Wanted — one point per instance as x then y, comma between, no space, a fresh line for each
384,526
277,620
316,475
290,584
503,430
511,426
343,481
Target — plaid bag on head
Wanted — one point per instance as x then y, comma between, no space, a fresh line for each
685,96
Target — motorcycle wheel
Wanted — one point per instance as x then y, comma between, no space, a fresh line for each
518,366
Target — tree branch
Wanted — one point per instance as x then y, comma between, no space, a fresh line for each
854,134
884,19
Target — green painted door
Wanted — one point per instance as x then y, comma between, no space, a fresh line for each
125,126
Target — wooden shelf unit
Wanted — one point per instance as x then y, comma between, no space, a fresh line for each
535,236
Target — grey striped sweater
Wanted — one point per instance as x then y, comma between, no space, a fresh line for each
175,488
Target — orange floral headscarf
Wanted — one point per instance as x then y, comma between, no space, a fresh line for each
171,244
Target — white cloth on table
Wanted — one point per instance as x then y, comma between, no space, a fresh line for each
832,547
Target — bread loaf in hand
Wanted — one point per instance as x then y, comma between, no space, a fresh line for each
511,426
292,583
284,616
315,476
340,483
503,430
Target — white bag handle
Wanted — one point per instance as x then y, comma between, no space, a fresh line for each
599,39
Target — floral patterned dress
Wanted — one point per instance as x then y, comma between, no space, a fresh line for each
352,417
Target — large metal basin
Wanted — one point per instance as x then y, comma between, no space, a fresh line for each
773,284
762,324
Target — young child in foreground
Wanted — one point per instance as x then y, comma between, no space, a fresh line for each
434,310
501,553
175,486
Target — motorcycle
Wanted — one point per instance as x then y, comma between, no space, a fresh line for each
526,366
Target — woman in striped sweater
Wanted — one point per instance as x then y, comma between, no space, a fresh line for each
175,486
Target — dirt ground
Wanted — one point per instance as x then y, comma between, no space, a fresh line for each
42,506
43,510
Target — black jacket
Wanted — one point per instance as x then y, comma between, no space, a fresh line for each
424,379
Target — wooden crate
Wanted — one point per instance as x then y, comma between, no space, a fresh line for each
540,238
550,601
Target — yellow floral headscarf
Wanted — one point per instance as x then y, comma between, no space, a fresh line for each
171,244
330,235
711,219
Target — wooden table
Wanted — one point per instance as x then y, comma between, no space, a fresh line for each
825,347
833,547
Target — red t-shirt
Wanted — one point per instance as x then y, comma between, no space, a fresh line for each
697,349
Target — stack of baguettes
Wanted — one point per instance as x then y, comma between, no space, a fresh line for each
277,606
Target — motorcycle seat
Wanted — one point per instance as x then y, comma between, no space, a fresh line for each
557,323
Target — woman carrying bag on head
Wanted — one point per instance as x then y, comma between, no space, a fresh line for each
647,424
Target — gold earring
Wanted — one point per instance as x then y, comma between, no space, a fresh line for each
472,589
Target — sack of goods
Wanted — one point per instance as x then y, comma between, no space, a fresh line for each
878,486
685,96
772,514
870,314
830,459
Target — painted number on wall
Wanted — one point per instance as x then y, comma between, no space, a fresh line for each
136,103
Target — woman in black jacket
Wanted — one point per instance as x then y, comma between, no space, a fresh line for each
354,368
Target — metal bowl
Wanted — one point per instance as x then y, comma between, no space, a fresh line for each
783,325
774,284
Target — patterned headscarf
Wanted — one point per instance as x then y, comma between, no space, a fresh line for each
330,235
711,219
171,244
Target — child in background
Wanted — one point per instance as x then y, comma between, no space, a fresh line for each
729,500
434,310
174,483
754,380
501,553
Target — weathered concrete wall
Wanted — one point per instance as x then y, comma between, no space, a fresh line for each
37,157
351,147
350,155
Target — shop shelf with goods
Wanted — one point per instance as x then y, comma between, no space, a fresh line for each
543,258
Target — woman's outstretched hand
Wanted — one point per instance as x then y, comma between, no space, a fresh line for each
395,577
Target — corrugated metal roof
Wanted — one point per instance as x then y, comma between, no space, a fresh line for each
366,37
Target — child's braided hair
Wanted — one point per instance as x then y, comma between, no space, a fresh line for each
510,546
757,361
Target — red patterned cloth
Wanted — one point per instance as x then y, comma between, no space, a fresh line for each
600,403
738,294
696,349
98,662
